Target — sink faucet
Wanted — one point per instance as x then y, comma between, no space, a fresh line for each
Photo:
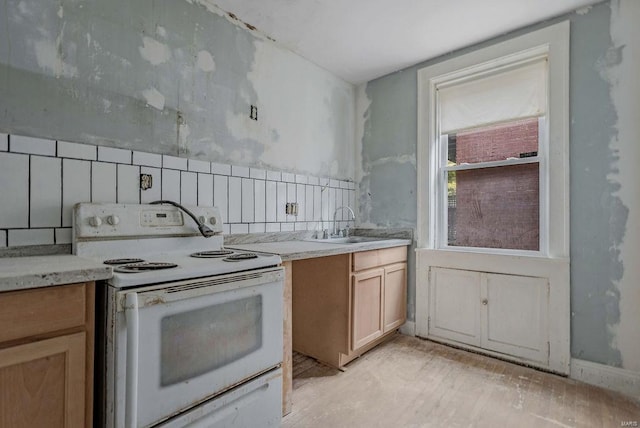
353,217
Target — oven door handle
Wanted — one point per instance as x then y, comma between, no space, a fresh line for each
131,395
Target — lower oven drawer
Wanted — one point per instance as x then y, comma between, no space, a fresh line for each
254,404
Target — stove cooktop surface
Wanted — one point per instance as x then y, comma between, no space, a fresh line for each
180,266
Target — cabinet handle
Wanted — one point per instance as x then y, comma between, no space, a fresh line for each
485,301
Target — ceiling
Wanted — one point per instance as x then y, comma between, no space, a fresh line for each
360,40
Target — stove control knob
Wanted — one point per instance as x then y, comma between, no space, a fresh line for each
213,220
113,220
95,221
202,219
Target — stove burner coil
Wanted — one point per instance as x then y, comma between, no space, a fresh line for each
122,261
211,254
240,256
142,267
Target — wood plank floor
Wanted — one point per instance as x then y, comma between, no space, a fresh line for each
410,382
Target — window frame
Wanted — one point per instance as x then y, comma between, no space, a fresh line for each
551,43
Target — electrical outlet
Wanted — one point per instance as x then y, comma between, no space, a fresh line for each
291,208
146,181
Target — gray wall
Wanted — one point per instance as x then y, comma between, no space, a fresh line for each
171,77
387,143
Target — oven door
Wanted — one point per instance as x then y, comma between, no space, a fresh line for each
182,343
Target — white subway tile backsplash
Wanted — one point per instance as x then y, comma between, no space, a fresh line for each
331,206
205,190
271,201
259,187
199,166
103,182
77,151
239,228
345,203
43,189
300,199
170,185
111,154
324,216
257,228
189,188
300,225
260,174
317,203
220,168
287,227
352,202
76,186
63,235
155,192
240,171
128,184
147,159
174,162
272,227
248,201
291,197
235,199
34,146
274,175
226,229
14,190
288,177
338,204
308,203
220,196
281,201
45,208
22,237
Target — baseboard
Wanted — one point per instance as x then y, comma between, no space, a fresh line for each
408,328
621,380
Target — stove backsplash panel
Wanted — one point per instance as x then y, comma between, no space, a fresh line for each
42,179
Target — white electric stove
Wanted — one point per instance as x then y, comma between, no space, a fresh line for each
188,332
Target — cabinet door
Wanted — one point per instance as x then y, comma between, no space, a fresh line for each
395,296
454,305
515,316
42,384
366,310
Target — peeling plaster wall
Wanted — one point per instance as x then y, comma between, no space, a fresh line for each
173,77
605,200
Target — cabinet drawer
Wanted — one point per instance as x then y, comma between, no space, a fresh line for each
381,257
33,312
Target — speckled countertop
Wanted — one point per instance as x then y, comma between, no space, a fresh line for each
305,249
19,273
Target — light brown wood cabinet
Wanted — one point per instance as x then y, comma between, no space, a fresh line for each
346,304
46,356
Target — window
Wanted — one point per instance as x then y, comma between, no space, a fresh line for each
493,148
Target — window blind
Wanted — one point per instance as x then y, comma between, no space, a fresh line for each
507,95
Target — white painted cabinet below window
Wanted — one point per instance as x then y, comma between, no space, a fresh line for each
501,313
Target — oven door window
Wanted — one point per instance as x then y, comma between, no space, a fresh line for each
202,340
